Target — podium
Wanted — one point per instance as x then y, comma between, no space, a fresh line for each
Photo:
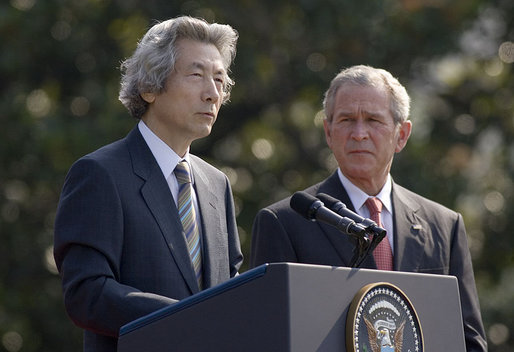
292,307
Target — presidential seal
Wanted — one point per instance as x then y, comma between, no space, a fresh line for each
382,319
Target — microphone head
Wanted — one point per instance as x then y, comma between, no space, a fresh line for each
328,200
305,204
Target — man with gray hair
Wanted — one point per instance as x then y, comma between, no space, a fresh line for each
366,123
142,223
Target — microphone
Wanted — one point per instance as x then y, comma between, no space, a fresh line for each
313,209
341,209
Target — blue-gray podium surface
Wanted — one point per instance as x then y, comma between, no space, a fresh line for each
291,307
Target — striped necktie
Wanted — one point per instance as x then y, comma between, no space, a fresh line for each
187,215
383,254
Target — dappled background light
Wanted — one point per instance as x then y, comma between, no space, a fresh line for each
59,101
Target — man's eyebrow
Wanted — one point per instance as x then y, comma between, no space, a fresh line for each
344,113
351,113
374,113
201,66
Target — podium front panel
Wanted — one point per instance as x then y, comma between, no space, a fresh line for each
292,307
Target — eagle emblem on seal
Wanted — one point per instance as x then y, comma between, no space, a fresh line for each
382,319
385,337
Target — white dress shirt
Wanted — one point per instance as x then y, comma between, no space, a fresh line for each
168,160
359,197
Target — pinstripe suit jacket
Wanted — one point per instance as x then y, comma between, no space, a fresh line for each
119,245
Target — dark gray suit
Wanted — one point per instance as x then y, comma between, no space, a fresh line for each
429,238
118,238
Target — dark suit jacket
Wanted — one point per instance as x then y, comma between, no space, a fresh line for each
118,238
429,238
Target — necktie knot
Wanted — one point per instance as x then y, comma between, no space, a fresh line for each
375,206
182,172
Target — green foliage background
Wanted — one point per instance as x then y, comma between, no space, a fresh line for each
58,101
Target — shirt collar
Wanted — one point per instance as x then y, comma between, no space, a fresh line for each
164,155
359,197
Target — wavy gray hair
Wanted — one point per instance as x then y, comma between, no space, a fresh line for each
363,75
147,70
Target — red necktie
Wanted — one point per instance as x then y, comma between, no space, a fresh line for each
382,253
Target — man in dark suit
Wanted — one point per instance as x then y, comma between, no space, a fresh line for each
142,223
366,123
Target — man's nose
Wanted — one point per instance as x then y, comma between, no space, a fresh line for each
211,93
360,130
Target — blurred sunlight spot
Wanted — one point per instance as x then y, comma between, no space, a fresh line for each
506,52
498,333
316,62
494,202
302,114
318,118
231,174
482,38
23,5
16,190
470,206
12,341
38,103
420,116
490,141
494,67
450,70
262,148
465,124
244,180
228,148
61,30
79,106
476,240
49,260
457,158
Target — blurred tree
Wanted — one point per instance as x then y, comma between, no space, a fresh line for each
58,101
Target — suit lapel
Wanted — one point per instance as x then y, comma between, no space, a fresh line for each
159,200
208,203
410,231
343,243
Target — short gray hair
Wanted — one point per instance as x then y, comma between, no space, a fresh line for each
147,70
363,75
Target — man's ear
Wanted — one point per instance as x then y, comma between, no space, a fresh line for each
148,97
404,134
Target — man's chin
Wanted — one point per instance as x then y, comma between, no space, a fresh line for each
203,132
357,172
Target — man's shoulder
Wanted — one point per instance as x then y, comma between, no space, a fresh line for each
416,200
284,203
111,156
108,155
201,165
